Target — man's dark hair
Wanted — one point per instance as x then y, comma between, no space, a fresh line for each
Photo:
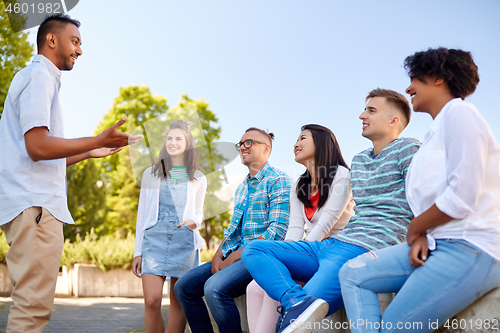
395,99
53,23
455,67
269,135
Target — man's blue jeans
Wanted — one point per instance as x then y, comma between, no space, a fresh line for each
455,275
275,266
219,290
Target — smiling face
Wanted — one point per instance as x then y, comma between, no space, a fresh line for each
176,142
304,149
258,153
376,118
422,94
67,46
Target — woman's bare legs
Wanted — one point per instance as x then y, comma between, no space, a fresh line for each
177,319
152,286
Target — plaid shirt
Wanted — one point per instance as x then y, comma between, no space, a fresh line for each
268,212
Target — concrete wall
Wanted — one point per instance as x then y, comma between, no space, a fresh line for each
331,324
484,310
89,281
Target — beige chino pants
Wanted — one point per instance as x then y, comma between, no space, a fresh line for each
33,261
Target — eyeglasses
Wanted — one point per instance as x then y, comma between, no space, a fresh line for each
247,144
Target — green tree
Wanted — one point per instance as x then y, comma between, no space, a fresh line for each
15,52
86,199
149,115
122,193
211,159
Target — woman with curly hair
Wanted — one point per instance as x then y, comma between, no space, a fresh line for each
452,255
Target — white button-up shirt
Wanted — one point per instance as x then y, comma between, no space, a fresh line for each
32,101
458,169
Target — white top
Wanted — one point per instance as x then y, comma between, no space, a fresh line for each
458,168
32,101
327,220
149,203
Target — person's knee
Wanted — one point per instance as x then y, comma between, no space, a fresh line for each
349,271
344,273
216,288
211,289
153,302
253,248
253,289
179,288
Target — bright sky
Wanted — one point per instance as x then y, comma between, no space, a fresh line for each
275,64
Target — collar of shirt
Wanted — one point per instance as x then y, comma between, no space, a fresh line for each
386,148
260,175
53,70
435,124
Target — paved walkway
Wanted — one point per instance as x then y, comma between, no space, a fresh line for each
100,314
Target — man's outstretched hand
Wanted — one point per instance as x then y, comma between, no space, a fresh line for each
103,152
112,138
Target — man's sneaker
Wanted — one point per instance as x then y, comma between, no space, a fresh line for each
301,317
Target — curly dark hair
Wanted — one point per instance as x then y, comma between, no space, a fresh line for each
455,67
53,23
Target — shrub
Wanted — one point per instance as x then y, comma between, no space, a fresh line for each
107,252
4,247
206,255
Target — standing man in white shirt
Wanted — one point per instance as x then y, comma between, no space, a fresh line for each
452,256
33,160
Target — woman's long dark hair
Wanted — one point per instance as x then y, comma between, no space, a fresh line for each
327,158
163,164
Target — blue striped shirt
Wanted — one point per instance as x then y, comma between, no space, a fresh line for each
382,213
268,209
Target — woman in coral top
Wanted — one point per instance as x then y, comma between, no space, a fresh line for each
320,206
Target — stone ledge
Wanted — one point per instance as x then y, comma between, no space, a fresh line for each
485,308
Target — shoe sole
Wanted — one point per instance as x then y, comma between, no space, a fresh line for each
314,313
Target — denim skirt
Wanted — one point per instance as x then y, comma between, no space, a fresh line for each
168,250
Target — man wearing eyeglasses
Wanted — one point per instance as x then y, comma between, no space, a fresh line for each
261,211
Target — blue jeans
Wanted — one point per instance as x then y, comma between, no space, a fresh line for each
455,274
275,266
219,290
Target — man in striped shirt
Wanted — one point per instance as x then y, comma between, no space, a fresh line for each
381,218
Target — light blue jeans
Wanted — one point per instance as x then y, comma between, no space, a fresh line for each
454,276
275,265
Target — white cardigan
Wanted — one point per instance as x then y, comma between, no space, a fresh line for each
329,219
149,199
